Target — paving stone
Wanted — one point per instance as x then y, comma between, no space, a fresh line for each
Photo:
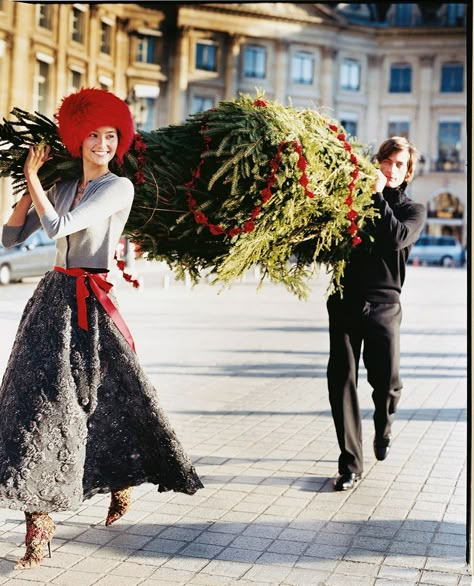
230,569
441,578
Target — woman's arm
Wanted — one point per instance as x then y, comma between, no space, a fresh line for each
107,200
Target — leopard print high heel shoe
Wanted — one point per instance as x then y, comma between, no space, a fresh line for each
120,502
39,532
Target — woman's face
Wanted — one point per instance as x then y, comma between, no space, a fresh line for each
100,145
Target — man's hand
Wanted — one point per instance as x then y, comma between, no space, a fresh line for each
380,182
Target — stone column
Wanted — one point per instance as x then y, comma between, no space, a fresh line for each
180,79
62,72
23,62
328,78
424,123
280,74
374,131
121,58
93,39
231,73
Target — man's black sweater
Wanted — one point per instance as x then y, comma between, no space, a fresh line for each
378,274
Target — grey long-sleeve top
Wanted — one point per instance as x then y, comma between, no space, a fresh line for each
86,236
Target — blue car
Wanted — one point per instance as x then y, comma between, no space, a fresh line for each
445,251
32,258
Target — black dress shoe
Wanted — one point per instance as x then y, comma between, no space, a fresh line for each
382,447
346,481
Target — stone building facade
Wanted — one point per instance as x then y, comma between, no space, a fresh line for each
380,68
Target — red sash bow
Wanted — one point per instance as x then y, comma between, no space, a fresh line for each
100,287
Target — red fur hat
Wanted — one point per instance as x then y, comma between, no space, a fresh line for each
88,109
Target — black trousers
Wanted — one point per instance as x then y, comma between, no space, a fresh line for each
376,328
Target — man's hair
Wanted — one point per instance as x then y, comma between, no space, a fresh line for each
399,143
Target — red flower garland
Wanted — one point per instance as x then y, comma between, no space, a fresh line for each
351,214
139,147
266,193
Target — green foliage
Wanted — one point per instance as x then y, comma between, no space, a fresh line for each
222,160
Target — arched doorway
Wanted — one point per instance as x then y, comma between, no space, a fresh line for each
446,216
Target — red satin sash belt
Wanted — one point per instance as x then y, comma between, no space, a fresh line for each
100,287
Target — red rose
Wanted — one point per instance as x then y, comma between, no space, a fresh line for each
215,229
349,201
333,127
341,136
351,215
260,103
304,180
234,231
351,186
200,217
249,226
356,240
355,173
266,194
354,159
139,177
353,229
347,146
255,212
302,163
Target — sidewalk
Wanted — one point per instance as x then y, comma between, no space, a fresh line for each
242,376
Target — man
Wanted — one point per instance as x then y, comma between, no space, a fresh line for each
369,313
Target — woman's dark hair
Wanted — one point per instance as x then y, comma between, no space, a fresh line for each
399,143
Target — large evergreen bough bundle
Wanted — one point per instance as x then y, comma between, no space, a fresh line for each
248,183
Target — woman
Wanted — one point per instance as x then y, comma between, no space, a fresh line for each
79,416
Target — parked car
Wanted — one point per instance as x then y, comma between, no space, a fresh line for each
446,251
31,258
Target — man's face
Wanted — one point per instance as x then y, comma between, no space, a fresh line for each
395,167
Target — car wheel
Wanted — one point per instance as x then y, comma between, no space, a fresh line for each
447,261
5,275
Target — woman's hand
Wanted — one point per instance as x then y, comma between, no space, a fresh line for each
37,157
380,182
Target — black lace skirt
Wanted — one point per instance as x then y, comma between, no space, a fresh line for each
78,415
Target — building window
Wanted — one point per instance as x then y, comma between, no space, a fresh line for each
76,79
350,126
105,38
77,25
452,77
41,90
206,56
202,103
302,68
403,14
255,61
399,128
449,146
400,79
350,75
146,49
44,15
455,14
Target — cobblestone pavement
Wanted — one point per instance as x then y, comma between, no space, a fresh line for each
242,376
